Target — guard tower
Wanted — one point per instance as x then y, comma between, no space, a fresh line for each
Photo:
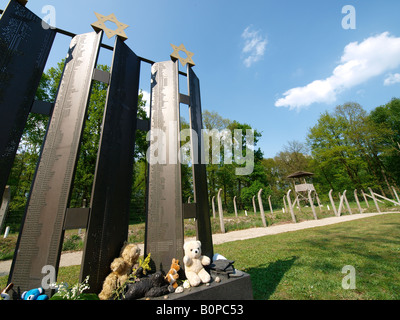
302,188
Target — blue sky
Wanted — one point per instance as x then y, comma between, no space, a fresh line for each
276,65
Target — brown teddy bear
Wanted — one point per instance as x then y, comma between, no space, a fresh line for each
130,253
121,268
172,275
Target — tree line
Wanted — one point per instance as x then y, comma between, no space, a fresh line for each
348,148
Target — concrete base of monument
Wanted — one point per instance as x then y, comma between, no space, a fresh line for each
233,288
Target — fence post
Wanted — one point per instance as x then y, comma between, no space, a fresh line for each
376,202
234,206
4,206
213,205
6,232
395,193
270,205
290,206
347,203
358,202
365,198
332,202
261,208
312,205
254,206
341,203
220,213
284,203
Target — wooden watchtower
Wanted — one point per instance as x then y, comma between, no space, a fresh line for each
302,187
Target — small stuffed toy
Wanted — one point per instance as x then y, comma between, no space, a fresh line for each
130,253
34,294
172,274
120,272
4,293
150,286
194,262
121,268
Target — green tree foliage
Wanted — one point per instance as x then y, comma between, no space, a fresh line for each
348,149
221,171
387,119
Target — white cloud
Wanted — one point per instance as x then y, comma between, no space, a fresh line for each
359,63
254,46
392,79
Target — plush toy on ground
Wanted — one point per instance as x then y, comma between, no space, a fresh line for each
34,294
130,253
121,268
150,286
172,275
120,271
194,264
4,293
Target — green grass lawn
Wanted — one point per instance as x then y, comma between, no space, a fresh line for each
307,264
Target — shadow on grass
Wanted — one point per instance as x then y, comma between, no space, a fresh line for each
266,278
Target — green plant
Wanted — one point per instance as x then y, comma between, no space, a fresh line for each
74,242
64,292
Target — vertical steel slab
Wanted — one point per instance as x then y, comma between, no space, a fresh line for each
41,235
4,206
24,49
204,233
109,215
164,227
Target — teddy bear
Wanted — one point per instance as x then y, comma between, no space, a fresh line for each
120,272
121,268
130,253
172,274
194,262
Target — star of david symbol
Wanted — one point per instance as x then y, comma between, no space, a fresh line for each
100,25
176,55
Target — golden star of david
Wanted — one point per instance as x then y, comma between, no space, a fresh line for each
100,25
176,55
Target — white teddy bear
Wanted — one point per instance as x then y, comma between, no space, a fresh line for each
194,262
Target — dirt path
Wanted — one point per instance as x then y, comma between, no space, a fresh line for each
74,258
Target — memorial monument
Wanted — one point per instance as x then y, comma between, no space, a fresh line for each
25,46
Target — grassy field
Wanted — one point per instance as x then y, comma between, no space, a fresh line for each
307,264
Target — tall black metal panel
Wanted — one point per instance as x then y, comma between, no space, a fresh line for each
24,49
204,233
164,227
109,217
41,235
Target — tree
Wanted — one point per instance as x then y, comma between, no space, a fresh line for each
293,158
214,121
332,149
347,147
386,119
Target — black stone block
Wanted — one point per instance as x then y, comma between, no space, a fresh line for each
227,289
